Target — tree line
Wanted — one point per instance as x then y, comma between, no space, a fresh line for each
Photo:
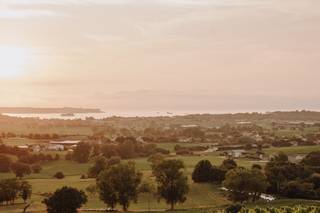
279,177
124,147
11,189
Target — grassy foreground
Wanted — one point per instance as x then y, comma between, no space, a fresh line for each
201,196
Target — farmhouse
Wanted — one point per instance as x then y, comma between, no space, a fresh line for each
55,147
23,147
237,153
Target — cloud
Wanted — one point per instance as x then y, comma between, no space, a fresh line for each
25,13
63,2
104,38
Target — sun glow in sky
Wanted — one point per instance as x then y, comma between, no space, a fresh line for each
201,55
13,60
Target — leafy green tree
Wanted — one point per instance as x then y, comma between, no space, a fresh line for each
312,160
315,179
202,172
5,163
126,149
296,189
258,184
82,152
235,208
25,190
20,169
228,164
9,190
65,200
279,171
156,159
244,183
99,165
172,182
109,150
119,183
217,174
113,161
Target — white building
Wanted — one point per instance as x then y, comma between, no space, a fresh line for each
67,142
55,147
23,147
237,153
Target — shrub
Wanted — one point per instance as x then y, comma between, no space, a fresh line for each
66,199
59,175
234,208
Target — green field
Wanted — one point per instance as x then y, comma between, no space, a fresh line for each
206,196
201,195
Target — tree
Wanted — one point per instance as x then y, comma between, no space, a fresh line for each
5,163
156,159
315,179
25,190
228,164
312,160
126,149
172,182
258,183
119,183
193,132
20,169
244,183
235,208
100,164
9,190
202,172
296,189
113,160
217,174
109,150
65,200
279,171
82,152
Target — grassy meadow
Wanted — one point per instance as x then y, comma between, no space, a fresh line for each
200,195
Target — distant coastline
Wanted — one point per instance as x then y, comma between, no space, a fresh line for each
64,110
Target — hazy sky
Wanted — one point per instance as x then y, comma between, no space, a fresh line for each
202,55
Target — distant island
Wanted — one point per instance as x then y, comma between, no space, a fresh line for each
31,110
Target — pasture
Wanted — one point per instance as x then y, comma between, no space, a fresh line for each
206,196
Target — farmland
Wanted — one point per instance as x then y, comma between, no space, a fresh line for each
200,195
272,138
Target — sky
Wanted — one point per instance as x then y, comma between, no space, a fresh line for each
165,55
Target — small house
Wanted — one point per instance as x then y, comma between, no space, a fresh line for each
55,147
